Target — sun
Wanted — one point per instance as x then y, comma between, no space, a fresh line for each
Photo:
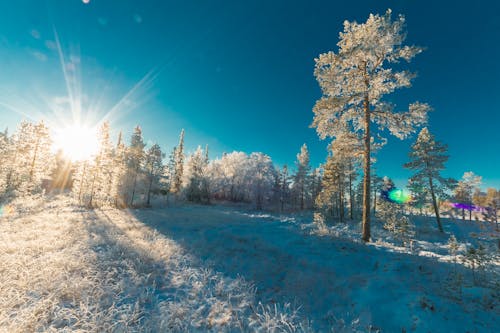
76,141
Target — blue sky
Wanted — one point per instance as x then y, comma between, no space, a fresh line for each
238,75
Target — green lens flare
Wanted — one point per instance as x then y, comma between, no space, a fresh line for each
399,196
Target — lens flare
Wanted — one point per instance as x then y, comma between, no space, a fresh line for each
466,206
398,196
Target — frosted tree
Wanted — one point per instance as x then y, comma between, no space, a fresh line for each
259,178
135,160
331,197
465,190
316,178
176,184
62,176
80,182
281,188
346,150
395,221
354,81
119,174
228,177
376,185
42,160
419,194
6,160
194,177
427,159
492,206
284,187
30,159
101,170
301,177
153,167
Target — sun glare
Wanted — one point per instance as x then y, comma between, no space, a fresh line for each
77,142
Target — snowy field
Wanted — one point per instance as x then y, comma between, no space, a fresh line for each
213,268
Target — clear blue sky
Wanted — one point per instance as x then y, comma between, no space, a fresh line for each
238,75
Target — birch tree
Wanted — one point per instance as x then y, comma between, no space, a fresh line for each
354,81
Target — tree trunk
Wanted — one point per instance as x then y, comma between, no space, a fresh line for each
434,204
366,170
81,182
133,189
149,190
341,204
351,203
302,197
32,168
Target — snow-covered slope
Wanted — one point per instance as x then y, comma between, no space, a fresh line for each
201,268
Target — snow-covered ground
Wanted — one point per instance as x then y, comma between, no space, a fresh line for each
213,268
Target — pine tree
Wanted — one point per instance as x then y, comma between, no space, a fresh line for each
195,179
284,187
120,170
153,166
301,177
427,159
316,178
419,196
178,166
101,169
42,161
135,160
331,197
354,81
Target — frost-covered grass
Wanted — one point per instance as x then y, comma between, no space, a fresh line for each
222,269
64,268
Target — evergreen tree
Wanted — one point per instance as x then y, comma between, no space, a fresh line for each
427,159
196,165
354,81
316,178
153,166
135,160
101,169
331,197
419,195
178,171
120,169
301,177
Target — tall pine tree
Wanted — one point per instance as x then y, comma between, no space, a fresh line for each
354,81
427,159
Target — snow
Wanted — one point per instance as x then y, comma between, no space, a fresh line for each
219,268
